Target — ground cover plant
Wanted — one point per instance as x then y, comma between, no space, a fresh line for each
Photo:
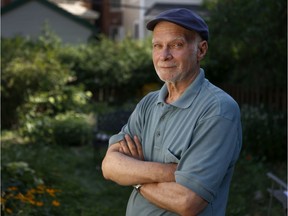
72,171
74,177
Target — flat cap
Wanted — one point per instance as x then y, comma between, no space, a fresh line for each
183,17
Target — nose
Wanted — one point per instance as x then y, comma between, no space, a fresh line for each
165,54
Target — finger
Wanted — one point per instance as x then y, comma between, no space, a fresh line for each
131,145
124,147
121,150
139,147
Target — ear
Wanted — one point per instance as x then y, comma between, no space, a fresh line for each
202,50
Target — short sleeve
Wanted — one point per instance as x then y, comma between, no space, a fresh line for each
133,127
214,148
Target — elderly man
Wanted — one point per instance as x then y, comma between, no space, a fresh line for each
180,145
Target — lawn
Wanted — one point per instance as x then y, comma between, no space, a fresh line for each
76,173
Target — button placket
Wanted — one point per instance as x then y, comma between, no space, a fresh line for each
161,125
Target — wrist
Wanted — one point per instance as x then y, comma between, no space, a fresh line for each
137,187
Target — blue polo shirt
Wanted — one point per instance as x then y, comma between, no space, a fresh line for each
201,131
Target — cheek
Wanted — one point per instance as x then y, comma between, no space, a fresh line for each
154,60
187,62
182,58
153,56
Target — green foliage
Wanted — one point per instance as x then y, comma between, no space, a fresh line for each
68,98
248,191
35,82
68,129
71,129
48,39
45,111
23,192
125,66
37,129
84,191
248,42
44,76
29,70
248,47
264,133
19,173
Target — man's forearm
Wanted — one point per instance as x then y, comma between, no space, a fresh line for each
126,170
124,165
173,197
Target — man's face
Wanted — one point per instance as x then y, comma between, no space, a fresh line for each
174,54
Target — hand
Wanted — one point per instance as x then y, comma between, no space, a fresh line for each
132,148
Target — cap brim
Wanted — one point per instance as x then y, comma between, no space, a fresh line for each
151,25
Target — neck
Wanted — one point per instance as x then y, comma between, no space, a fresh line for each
176,89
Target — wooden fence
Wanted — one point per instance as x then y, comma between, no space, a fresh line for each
272,98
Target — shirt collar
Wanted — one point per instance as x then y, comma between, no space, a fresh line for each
189,94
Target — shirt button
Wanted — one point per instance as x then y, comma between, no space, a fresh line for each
158,133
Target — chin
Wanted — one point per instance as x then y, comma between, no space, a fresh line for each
168,80
168,76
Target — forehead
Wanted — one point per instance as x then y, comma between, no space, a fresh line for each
167,30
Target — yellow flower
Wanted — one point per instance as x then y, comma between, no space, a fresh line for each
39,203
55,203
40,189
21,197
31,191
3,200
9,196
9,211
52,191
12,188
33,202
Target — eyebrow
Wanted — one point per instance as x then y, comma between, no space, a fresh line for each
173,40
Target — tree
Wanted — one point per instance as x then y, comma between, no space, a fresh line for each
123,66
248,42
26,68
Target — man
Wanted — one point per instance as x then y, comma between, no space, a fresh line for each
180,145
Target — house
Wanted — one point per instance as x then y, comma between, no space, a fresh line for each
136,13
72,23
121,18
111,17
76,21
78,8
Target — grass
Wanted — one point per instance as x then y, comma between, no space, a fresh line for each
84,191
76,173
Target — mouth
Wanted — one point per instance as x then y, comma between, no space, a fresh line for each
166,66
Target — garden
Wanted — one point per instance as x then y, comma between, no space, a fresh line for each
52,95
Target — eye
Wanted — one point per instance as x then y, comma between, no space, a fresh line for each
157,46
177,45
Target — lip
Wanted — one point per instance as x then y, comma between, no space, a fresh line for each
167,66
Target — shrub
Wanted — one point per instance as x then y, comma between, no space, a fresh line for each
238,30
31,70
264,133
22,192
72,129
114,70
37,129
37,114
55,101
68,129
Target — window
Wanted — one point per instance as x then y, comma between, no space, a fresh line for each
115,4
136,30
